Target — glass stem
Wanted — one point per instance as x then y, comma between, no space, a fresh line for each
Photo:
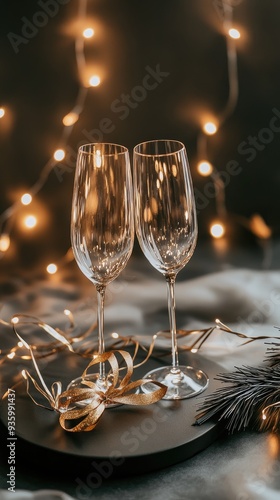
100,322
172,321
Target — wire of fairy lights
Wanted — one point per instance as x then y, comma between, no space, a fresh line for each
205,168
226,403
209,128
69,121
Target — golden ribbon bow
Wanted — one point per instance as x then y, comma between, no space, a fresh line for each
86,405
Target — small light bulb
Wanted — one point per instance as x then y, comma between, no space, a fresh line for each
115,335
26,199
11,355
30,221
264,416
94,81
51,268
217,230
88,33
59,155
15,320
2,112
210,128
205,168
234,33
4,242
70,119
67,312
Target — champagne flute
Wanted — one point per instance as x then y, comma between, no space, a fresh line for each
102,225
166,228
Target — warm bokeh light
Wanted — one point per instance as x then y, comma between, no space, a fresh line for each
26,199
70,119
4,242
115,335
88,33
30,221
205,168
11,355
59,155
234,33
15,320
273,444
81,28
210,128
94,81
259,227
51,268
217,230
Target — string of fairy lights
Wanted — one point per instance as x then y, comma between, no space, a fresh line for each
218,227
86,80
210,128
89,80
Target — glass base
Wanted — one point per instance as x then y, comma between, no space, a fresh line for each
102,386
182,383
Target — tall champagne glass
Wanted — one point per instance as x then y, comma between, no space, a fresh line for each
102,223
166,227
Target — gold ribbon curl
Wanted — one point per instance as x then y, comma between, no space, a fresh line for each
94,400
88,403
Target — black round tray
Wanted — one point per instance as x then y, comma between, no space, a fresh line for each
127,440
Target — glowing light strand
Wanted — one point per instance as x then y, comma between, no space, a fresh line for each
85,347
6,218
255,224
225,113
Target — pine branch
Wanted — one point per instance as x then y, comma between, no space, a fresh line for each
241,404
273,354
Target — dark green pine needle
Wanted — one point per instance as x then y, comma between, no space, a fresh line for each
248,391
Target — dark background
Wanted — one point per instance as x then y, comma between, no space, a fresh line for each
39,85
